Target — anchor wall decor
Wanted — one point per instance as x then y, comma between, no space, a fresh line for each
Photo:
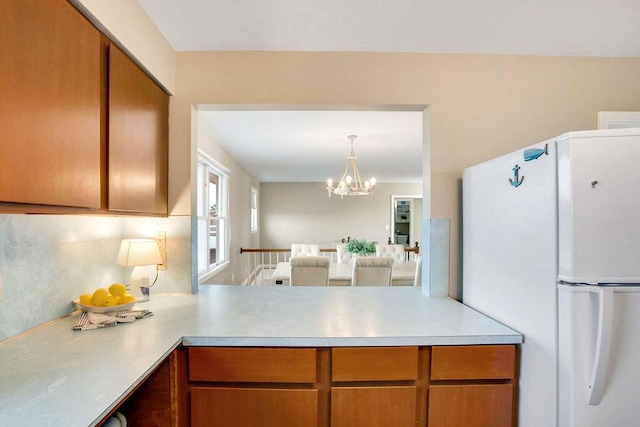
516,181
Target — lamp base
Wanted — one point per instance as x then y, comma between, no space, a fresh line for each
139,283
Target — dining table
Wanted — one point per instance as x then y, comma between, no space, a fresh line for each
402,273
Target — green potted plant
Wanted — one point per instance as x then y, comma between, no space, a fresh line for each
361,247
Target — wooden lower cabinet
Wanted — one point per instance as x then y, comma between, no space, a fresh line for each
473,386
469,405
375,386
253,386
373,406
440,386
249,407
152,402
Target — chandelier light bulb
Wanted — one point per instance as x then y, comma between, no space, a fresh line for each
349,179
373,181
329,182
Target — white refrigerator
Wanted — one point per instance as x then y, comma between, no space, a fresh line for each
551,248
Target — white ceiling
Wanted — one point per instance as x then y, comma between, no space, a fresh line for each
273,145
312,145
519,27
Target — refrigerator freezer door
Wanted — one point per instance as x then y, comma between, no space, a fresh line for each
585,321
599,207
510,264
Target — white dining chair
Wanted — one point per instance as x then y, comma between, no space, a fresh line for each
309,271
344,256
372,271
304,249
394,251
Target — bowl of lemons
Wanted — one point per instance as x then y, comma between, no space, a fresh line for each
104,300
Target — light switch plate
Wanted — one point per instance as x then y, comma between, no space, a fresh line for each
161,240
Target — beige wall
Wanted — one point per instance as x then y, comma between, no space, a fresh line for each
303,213
481,106
240,183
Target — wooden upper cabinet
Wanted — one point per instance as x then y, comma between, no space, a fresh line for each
137,139
50,106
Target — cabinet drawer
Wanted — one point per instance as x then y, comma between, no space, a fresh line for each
473,362
276,365
374,364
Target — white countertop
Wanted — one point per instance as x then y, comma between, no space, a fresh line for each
56,376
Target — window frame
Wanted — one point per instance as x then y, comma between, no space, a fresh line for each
206,165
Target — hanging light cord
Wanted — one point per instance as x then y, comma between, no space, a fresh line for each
156,279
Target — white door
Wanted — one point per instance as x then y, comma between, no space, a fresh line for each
599,342
599,206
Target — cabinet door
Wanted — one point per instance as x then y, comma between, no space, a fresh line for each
138,139
471,405
373,406
50,108
253,407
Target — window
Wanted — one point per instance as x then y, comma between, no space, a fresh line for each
254,210
213,224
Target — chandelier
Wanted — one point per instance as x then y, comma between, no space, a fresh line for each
351,184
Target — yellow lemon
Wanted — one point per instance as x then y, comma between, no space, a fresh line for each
126,299
111,300
99,297
85,299
117,289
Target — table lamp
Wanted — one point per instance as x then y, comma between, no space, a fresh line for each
139,253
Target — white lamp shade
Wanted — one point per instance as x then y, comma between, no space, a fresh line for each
134,252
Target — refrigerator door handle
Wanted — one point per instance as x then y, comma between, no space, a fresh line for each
595,387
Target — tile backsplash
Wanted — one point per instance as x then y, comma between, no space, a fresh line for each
46,261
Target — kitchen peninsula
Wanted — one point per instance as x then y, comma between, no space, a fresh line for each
56,376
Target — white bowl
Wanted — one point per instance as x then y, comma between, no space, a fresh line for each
92,309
